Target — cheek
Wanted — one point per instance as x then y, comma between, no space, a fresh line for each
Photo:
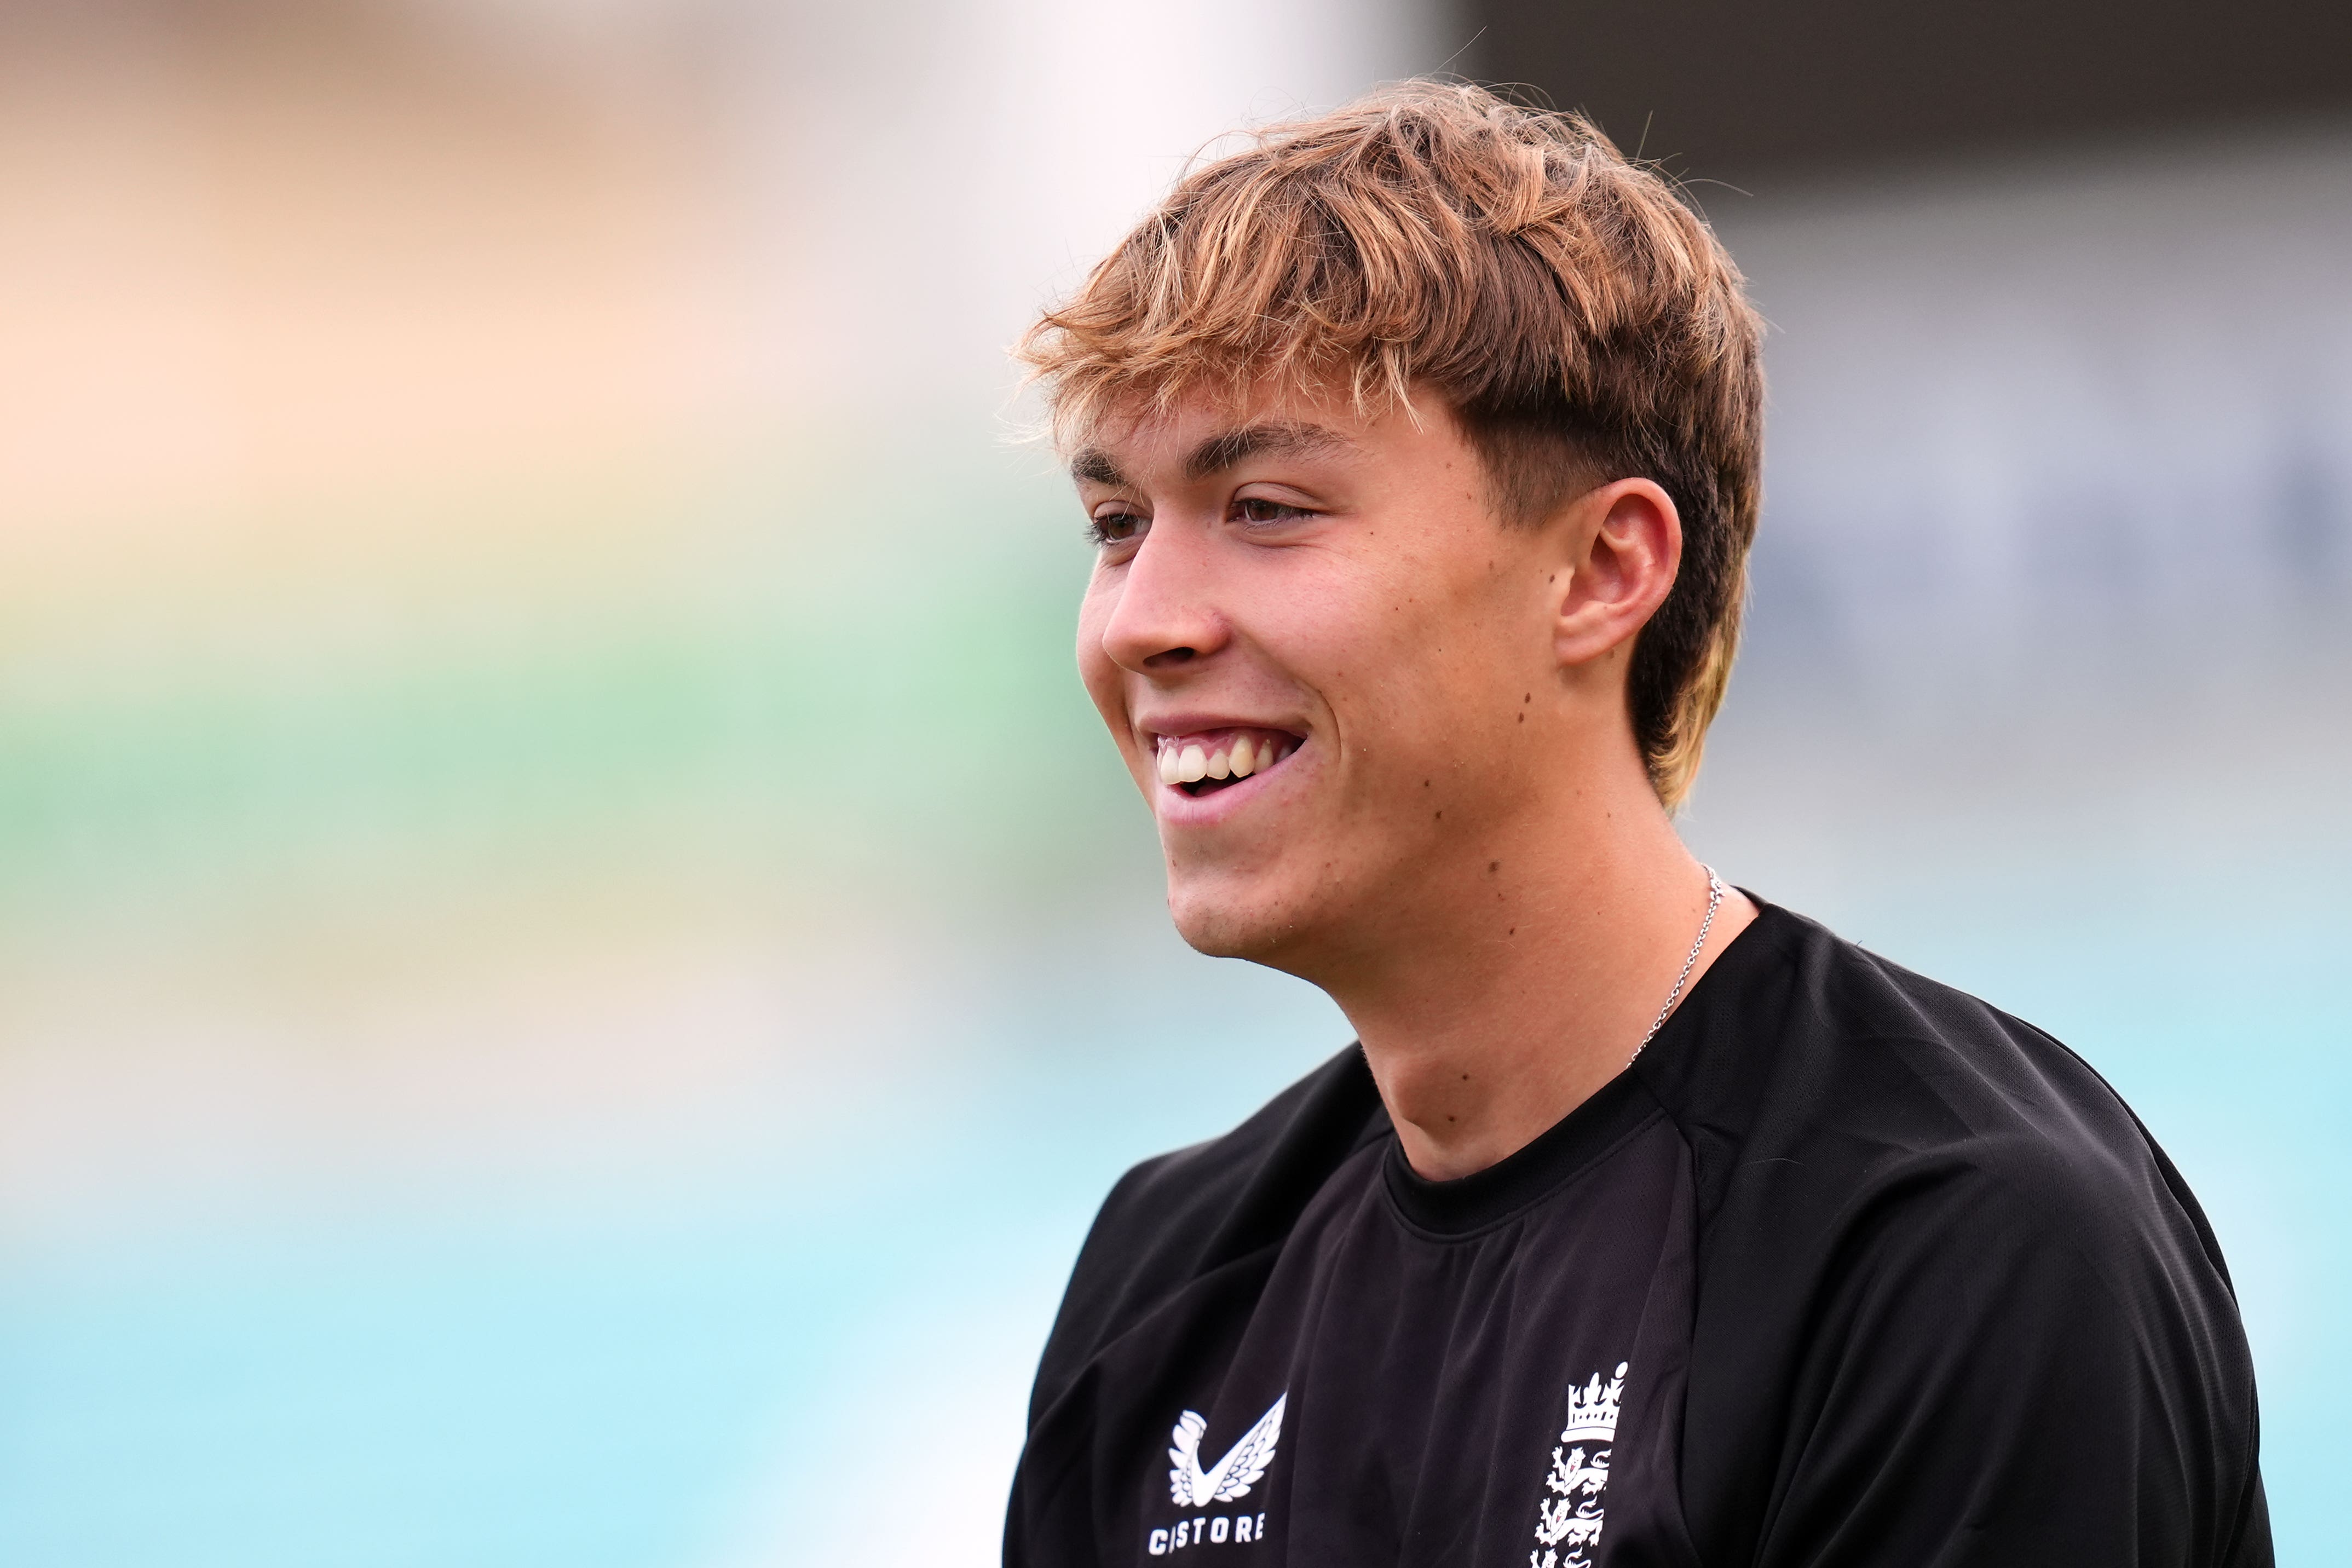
1096,668
1425,665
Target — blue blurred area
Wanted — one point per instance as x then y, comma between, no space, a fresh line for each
747,1370
733,1368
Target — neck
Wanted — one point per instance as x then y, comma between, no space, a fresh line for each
1528,973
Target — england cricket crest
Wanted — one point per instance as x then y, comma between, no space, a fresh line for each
1568,1520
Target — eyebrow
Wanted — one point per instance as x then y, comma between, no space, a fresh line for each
1272,439
1223,450
1093,464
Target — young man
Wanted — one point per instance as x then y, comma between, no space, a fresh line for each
1647,1223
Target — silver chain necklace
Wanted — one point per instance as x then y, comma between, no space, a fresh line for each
1715,891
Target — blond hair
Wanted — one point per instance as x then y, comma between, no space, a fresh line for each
1581,321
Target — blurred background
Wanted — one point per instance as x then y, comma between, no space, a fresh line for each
572,963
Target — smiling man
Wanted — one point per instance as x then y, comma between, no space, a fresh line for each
1646,1222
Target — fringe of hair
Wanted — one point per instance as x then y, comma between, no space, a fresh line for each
1581,321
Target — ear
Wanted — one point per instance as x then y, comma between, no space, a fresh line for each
1624,545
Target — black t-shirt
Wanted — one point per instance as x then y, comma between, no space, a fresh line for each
1847,1268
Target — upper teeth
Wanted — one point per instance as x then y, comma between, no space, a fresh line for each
1236,757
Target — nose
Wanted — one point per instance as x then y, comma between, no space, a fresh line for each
1164,612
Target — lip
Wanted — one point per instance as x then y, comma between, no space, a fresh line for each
1175,808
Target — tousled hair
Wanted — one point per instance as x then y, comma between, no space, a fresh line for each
1579,320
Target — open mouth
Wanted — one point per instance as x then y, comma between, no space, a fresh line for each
1207,761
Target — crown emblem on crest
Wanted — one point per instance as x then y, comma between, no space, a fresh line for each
1593,1409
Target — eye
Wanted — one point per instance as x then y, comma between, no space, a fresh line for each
1115,527
1260,511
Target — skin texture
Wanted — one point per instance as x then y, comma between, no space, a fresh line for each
1464,852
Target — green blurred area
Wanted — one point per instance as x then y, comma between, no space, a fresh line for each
811,679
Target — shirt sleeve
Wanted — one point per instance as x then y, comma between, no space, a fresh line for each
1999,1373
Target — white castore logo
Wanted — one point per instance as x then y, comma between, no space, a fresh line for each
1232,1476
1569,1521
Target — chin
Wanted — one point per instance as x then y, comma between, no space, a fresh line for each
1222,921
